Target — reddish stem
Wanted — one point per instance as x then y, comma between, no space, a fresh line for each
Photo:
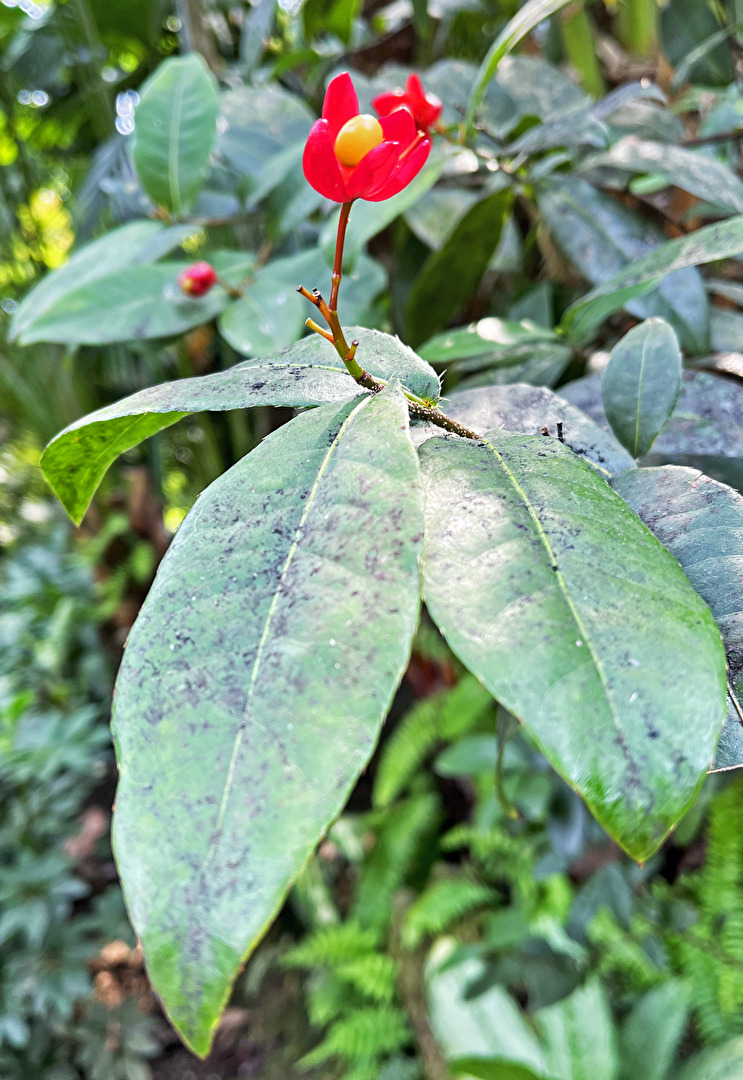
338,263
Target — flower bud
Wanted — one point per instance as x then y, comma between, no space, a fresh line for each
198,279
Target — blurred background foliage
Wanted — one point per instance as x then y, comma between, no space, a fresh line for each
465,916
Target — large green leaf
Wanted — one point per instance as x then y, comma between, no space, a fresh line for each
695,171
449,276
307,373
701,524
600,237
524,410
483,1030
552,591
254,684
720,241
176,126
524,21
641,384
578,1035
126,306
483,338
500,352
272,314
653,1030
259,126
136,243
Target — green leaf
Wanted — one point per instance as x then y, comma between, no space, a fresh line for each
701,524
176,126
139,242
308,373
524,410
272,314
652,1032
488,1028
726,330
551,590
576,129
254,684
723,240
128,305
369,218
258,125
641,384
723,1062
484,338
695,171
600,237
578,1035
524,21
450,276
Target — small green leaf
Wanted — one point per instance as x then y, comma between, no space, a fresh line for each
487,337
128,305
254,684
450,276
600,237
139,242
308,373
176,126
701,524
524,21
723,240
641,384
525,410
552,591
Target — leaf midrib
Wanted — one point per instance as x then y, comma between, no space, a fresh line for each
560,577
293,548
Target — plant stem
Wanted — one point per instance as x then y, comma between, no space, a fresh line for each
578,37
638,27
418,408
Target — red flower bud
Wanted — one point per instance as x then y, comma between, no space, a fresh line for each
354,156
198,279
425,108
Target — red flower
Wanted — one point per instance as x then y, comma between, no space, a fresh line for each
351,156
426,108
198,279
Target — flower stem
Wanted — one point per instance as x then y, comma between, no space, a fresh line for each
338,263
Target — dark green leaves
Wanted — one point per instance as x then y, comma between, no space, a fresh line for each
450,276
701,524
307,373
176,125
254,684
641,384
579,622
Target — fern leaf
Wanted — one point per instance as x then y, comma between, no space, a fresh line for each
374,977
331,946
442,904
362,1034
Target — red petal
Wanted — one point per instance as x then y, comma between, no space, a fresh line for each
409,169
320,164
399,126
374,169
387,103
340,102
415,91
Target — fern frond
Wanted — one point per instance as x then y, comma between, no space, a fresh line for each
327,997
442,904
374,977
331,946
398,841
362,1034
445,715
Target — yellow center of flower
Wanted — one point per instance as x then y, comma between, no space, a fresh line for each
356,138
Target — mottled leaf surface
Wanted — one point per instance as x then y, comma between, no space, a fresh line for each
641,384
552,591
601,237
254,684
305,374
524,410
176,126
138,242
579,1036
701,524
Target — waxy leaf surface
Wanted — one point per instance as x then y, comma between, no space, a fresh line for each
176,126
552,591
254,685
701,524
307,373
640,386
